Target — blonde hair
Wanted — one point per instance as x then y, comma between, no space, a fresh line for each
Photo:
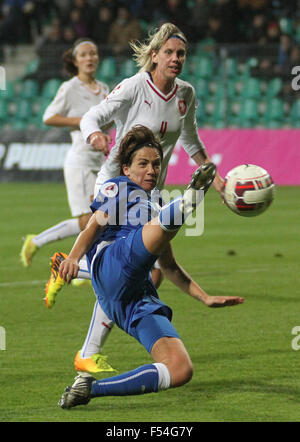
156,39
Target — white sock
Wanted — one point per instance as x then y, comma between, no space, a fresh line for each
164,378
69,227
100,327
83,272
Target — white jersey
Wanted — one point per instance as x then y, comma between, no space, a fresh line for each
136,100
74,99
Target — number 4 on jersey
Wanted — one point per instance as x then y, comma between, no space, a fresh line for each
163,128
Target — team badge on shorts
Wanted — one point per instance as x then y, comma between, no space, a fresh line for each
109,189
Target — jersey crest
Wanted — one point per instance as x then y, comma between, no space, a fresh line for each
110,189
182,106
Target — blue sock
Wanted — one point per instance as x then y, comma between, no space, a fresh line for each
142,380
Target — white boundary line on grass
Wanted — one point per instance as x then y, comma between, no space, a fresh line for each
37,282
21,283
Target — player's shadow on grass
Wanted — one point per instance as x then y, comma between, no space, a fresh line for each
245,385
217,357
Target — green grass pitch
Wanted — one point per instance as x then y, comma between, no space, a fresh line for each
244,363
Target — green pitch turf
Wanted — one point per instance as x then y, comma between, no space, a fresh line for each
245,368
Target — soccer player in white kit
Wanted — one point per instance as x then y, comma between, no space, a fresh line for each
154,98
82,162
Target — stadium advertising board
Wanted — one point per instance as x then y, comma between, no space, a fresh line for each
38,157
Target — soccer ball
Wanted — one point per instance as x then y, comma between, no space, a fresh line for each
249,190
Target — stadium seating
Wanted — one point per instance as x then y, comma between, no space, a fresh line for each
201,115
202,67
32,66
251,88
225,89
275,110
274,87
128,68
3,111
248,115
227,94
23,111
229,69
295,113
107,69
9,92
30,89
201,87
50,88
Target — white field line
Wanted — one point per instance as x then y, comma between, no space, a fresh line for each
22,283
210,272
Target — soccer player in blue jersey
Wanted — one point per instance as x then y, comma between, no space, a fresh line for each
127,233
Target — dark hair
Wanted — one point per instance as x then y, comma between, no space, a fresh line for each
68,57
137,138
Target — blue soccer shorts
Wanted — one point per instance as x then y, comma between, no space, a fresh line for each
122,283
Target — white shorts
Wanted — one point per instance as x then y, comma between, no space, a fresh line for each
80,183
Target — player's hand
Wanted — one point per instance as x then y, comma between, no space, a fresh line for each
219,185
68,270
100,141
223,301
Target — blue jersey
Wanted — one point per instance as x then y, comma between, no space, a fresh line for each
128,206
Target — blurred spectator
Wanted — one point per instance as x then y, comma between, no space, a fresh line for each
101,28
124,28
148,12
135,6
113,5
269,52
223,21
273,33
49,50
14,25
78,23
228,14
176,12
284,8
68,36
200,13
247,9
86,11
257,30
214,30
35,12
284,51
254,5
63,8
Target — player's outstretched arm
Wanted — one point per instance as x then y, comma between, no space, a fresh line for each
176,274
68,269
219,183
